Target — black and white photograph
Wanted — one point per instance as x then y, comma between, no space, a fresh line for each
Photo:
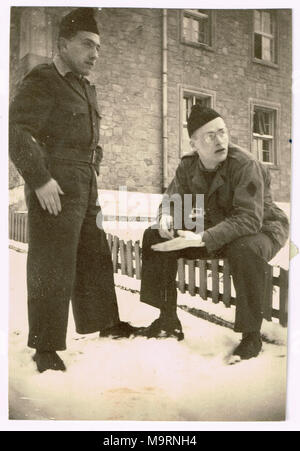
149,221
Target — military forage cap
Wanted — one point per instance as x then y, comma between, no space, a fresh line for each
80,19
200,115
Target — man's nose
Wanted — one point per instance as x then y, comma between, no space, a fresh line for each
94,53
219,139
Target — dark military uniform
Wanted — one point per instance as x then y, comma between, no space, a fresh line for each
241,223
54,132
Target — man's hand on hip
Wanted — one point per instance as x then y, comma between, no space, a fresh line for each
48,196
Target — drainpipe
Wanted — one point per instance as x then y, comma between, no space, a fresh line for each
165,100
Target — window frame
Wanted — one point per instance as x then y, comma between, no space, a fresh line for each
197,92
275,108
275,63
192,13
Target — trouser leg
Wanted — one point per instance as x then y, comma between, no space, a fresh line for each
50,273
94,300
248,258
158,281
159,269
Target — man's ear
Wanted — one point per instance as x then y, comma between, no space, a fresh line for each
62,43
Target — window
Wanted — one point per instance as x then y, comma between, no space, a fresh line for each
188,100
197,27
265,36
264,134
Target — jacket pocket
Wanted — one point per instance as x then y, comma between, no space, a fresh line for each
71,125
74,114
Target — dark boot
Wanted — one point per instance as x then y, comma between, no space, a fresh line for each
169,323
249,347
119,330
164,327
48,360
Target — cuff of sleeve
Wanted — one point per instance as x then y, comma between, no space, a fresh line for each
210,243
37,180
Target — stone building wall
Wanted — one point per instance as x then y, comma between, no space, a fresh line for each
128,78
129,92
228,72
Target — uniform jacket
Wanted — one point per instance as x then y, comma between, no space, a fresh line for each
52,115
238,201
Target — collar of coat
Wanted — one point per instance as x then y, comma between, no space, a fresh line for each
62,67
89,93
197,169
198,179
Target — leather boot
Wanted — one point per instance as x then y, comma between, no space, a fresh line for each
119,330
48,360
250,346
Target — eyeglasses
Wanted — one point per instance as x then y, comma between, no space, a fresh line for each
211,136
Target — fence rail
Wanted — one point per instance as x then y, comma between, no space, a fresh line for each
210,279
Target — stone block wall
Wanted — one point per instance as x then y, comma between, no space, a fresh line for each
128,79
228,71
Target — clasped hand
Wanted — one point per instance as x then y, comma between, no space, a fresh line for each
48,196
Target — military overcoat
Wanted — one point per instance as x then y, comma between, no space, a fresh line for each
238,201
52,115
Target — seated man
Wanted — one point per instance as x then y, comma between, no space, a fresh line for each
241,223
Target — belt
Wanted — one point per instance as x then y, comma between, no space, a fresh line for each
87,156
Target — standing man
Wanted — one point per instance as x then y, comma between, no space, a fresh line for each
54,133
241,223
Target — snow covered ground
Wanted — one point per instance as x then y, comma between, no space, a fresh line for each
141,379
